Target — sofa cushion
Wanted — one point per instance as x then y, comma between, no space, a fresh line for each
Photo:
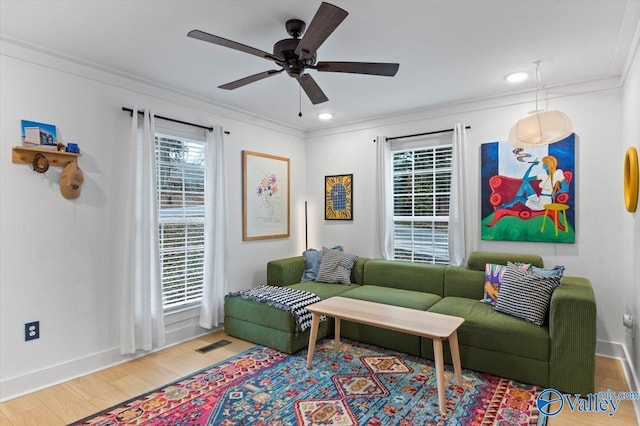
392,296
335,267
462,282
405,275
312,259
285,271
357,272
486,328
478,259
323,290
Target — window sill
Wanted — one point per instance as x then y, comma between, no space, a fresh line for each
181,314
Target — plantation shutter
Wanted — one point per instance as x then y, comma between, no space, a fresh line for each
421,190
181,184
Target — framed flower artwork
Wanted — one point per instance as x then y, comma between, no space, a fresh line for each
265,187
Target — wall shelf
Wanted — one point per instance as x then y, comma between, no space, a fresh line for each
25,154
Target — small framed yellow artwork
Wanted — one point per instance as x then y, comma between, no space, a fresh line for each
338,198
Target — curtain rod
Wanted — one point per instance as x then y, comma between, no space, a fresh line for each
130,111
423,134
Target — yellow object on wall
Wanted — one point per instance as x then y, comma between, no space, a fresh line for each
631,179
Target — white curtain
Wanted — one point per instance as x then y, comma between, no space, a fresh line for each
385,197
457,245
142,318
215,229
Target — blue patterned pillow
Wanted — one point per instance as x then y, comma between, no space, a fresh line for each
312,259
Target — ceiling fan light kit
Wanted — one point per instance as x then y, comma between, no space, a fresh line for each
540,127
295,55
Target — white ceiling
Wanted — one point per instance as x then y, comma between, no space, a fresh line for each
449,50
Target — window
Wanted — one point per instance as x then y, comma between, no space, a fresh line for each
421,188
180,171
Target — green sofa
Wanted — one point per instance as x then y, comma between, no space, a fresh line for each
559,355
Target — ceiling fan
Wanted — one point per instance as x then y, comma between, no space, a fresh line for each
294,55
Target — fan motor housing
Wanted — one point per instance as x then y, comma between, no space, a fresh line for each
292,64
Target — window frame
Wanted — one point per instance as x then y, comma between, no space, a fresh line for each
186,219
437,252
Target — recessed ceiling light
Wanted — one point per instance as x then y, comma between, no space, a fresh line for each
517,77
325,116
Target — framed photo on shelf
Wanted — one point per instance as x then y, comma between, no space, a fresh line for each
38,134
265,199
338,197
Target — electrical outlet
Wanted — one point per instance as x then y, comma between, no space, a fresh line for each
31,331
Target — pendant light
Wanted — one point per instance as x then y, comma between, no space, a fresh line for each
540,127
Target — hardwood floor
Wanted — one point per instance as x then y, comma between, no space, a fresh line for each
609,376
78,398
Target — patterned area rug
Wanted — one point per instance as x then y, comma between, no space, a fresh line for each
360,385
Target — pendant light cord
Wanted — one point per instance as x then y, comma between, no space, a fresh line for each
538,81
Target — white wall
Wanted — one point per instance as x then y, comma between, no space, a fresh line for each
60,259
595,110
631,222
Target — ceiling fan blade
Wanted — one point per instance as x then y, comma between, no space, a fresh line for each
372,68
311,88
326,19
201,35
249,79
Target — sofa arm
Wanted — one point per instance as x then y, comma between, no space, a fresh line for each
572,330
285,271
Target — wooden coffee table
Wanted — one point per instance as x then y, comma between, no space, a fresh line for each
437,327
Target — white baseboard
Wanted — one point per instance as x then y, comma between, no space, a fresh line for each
14,387
632,379
610,349
619,351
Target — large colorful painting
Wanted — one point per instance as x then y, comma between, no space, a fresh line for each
528,194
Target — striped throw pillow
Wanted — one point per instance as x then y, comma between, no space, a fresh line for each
526,295
335,267
312,259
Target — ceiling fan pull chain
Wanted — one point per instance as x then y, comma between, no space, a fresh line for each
299,101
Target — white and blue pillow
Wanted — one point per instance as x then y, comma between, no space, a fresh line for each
556,271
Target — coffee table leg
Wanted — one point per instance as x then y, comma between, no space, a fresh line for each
337,334
455,356
437,352
313,335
